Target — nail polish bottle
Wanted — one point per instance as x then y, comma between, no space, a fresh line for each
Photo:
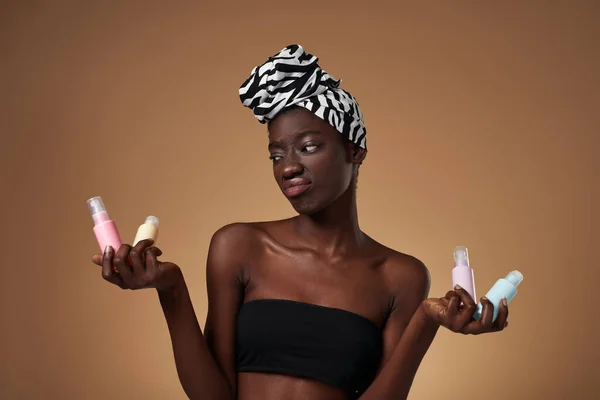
148,230
462,274
104,228
504,287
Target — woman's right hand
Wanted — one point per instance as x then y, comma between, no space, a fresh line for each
137,267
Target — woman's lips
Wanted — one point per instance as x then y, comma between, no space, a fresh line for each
296,190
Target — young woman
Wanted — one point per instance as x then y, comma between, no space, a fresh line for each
309,307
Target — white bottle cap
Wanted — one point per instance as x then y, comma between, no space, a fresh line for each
96,205
461,256
514,277
98,210
151,219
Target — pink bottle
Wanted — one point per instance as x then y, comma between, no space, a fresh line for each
462,274
104,228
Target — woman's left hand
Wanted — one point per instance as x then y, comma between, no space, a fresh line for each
448,312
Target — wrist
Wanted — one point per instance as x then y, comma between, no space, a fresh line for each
173,282
173,294
423,317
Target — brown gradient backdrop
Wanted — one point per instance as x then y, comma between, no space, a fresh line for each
483,131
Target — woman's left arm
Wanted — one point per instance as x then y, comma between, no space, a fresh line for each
412,326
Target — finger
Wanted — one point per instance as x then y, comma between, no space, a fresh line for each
115,279
475,327
107,262
151,262
155,250
487,313
467,308
142,245
108,272
121,263
136,258
465,297
501,321
453,304
138,261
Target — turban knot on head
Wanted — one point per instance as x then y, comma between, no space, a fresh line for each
293,77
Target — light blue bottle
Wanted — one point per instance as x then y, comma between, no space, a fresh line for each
504,287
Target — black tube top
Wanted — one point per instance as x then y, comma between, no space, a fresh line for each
334,346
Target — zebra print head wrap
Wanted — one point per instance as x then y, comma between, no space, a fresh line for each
292,77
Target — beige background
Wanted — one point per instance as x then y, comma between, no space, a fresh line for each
483,131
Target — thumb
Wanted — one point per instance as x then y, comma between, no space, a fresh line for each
97,259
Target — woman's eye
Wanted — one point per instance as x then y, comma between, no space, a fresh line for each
275,158
310,148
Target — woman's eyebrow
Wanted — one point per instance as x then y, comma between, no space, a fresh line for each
296,135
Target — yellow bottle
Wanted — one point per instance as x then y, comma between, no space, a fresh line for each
148,230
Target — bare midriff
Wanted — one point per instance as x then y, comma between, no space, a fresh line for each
262,386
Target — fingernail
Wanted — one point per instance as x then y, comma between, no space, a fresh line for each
457,287
484,298
107,249
504,302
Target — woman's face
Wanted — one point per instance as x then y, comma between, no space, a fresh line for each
312,163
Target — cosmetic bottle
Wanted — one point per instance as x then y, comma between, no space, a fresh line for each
462,274
104,228
148,230
504,287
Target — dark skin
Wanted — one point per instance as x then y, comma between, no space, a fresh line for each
321,257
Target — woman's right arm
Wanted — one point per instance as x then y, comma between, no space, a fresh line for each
205,363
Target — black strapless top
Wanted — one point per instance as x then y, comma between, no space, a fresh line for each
334,346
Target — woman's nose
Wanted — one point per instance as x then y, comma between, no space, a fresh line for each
292,168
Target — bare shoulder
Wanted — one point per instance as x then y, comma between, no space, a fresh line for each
404,274
234,234
228,251
240,233
240,241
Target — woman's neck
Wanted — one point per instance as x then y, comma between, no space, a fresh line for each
334,230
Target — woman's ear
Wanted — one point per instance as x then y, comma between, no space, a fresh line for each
358,154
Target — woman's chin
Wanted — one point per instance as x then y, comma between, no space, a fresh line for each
309,205
306,207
